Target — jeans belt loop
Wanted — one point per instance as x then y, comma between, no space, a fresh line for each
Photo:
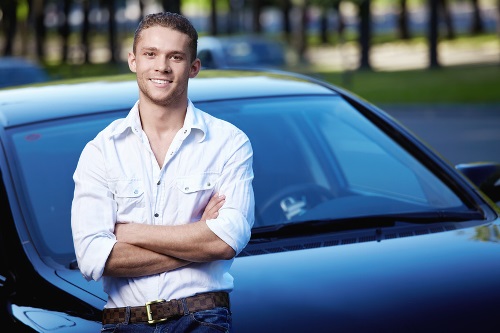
184,306
127,315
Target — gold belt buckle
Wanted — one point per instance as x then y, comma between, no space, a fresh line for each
150,313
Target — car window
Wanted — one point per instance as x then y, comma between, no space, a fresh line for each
207,59
314,157
47,155
311,150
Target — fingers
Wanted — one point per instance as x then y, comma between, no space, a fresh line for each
214,204
215,200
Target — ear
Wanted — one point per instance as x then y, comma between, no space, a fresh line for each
195,68
132,62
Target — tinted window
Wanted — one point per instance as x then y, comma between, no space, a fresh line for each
313,157
47,155
314,150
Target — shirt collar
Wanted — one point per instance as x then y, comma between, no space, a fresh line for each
193,120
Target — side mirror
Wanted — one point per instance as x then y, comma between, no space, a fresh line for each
485,175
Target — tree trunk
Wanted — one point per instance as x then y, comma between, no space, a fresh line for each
256,10
286,6
433,34
302,37
86,31
404,31
232,20
448,20
173,6
9,25
477,26
65,31
213,18
340,20
365,33
40,30
110,5
323,31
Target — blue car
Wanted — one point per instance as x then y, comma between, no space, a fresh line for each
360,227
15,71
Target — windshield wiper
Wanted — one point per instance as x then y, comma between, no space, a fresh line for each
310,227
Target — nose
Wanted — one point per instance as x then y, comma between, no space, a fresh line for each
163,64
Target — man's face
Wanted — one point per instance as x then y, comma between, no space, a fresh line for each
163,66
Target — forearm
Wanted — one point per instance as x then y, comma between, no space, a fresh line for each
193,242
126,260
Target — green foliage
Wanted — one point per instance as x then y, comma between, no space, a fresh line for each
461,84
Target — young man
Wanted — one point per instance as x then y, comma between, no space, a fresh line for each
146,215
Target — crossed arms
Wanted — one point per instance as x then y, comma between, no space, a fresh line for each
143,249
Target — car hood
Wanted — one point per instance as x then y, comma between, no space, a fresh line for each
420,283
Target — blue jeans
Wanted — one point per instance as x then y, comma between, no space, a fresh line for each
207,321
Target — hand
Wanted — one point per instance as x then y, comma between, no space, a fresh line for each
123,231
212,209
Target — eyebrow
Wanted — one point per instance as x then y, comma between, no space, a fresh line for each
152,48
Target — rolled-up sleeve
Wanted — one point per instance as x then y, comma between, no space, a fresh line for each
236,217
93,214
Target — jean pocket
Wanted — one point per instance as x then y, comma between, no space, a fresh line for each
109,328
217,318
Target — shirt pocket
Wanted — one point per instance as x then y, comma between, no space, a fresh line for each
130,199
194,192
197,183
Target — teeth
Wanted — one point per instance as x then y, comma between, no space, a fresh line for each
159,81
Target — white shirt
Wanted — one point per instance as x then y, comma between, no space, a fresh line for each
118,180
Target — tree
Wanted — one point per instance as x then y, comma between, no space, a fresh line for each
444,9
256,11
38,10
213,17
65,31
365,33
112,31
433,34
477,26
85,31
286,6
9,25
173,6
323,20
403,29
302,32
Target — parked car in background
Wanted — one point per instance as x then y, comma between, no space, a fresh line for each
16,71
242,52
360,226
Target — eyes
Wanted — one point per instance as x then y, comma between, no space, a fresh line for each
174,56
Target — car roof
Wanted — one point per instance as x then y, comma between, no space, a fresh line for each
65,99
16,71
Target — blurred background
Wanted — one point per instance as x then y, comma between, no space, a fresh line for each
357,44
427,62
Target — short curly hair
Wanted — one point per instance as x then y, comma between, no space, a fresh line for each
173,21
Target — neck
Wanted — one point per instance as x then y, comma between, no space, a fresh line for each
157,119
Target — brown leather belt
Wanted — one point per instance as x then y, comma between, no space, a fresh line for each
161,310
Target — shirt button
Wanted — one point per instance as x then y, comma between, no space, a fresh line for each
156,214
136,191
186,188
185,131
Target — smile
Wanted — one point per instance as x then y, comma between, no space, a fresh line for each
159,81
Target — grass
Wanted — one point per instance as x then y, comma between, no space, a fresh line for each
457,84
460,84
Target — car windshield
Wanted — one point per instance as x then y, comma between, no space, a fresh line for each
241,53
315,158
